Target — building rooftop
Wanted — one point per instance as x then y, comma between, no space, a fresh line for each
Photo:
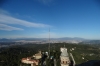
64,53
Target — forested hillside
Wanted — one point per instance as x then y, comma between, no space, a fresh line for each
82,53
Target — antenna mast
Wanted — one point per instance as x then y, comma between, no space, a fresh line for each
49,41
64,45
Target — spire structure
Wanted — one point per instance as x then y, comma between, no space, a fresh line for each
64,45
49,41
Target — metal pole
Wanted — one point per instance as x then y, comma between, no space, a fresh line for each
49,41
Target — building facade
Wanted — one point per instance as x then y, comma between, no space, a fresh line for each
30,61
64,57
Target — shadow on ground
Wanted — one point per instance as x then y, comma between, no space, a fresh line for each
90,63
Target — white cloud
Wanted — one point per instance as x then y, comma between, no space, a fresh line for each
45,1
46,35
5,20
38,35
11,20
3,12
8,28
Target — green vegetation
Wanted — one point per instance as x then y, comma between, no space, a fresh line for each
12,56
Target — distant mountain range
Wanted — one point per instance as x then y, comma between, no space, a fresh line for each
64,39
68,38
91,42
38,39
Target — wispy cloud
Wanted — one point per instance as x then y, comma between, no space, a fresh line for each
45,1
6,19
8,28
37,35
46,35
4,12
11,20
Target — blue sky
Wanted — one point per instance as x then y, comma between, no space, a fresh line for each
65,18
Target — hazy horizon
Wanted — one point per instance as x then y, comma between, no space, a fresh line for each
65,18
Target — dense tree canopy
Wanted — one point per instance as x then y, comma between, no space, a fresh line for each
12,56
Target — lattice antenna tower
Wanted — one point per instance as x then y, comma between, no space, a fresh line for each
49,41
64,45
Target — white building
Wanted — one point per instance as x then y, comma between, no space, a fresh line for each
64,57
38,55
28,60
34,61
